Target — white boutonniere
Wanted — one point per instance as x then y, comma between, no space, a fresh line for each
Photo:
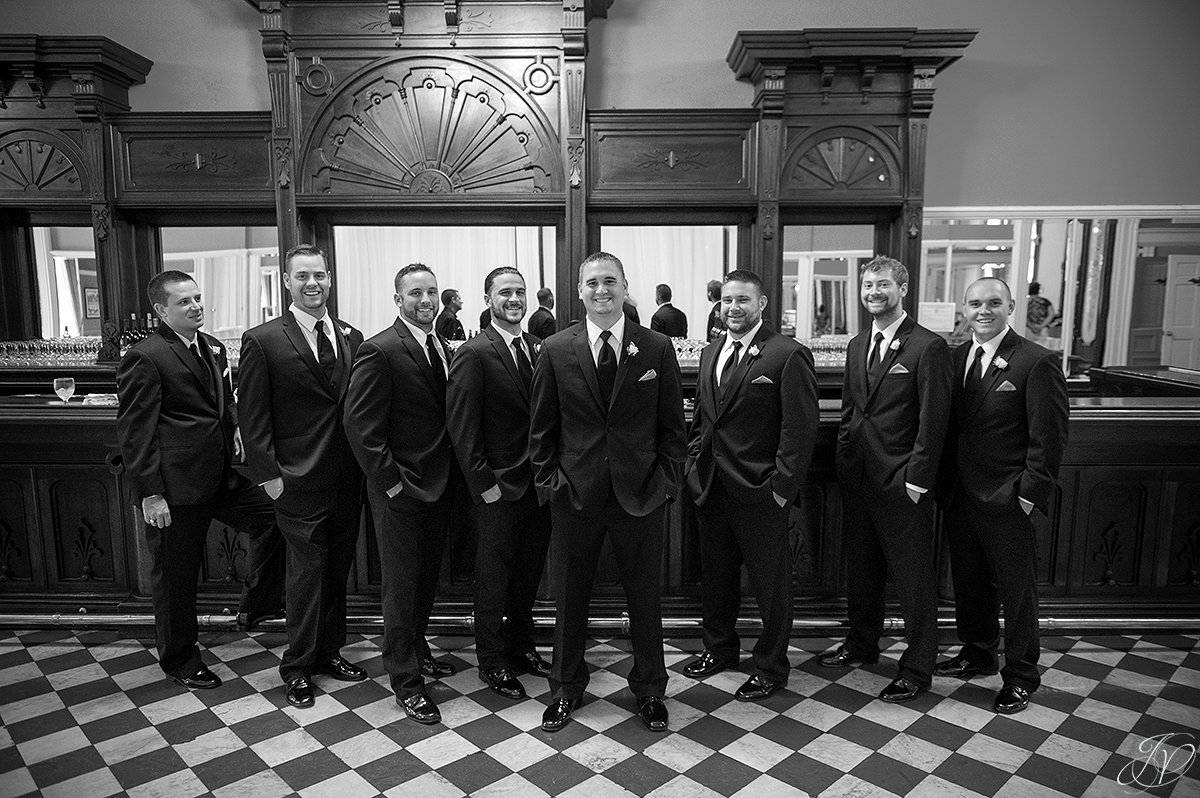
537,348
216,350
1001,363
753,351
895,347
632,349
345,331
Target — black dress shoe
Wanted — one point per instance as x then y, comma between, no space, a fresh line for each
844,659
202,679
420,707
532,662
901,690
436,670
341,669
558,714
300,692
653,713
704,666
249,621
502,682
1011,699
962,668
756,687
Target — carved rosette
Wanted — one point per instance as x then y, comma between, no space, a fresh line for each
32,163
842,161
431,126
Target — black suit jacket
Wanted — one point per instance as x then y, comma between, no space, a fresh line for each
579,446
449,327
670,321
291,414
487,414
1008,440
542,324
894,433
396,416
757,435
175,432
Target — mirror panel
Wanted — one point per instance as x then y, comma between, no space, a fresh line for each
820,278
67,283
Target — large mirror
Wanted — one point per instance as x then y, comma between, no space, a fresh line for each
820,278
67,283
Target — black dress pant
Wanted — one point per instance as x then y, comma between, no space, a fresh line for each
176,553
993,561
512,538
321,531
250,510
412,538
637,544
732,533
885,534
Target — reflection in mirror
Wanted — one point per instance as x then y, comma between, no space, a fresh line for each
237,269
366,259
956,253
68,287
820,278
684,257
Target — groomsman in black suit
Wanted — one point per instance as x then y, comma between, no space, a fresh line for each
396,421
1008,433
607,444
487,405
751,441
895,412
541,322
176,425
292,380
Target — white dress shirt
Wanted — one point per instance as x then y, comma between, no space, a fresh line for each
889,335
618,335
421,335
989,353
727,350
308,326
508,343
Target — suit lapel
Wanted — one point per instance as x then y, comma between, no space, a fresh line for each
742,368
583,353
417,353
218,378
341,369
889,357
706,377
506,357
181,351
292,328
992,378
632,337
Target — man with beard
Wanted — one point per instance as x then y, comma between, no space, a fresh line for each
751,441
895,412
607,441
293,376
487,406
396,422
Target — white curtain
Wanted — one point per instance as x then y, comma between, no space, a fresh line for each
366,260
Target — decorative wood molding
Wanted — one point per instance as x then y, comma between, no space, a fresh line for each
843,161
36,163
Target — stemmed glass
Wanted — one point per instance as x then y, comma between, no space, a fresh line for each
65,388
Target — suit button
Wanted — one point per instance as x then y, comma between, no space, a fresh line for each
606,459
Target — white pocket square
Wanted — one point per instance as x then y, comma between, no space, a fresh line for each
1005,386
898,369
649,375
763,380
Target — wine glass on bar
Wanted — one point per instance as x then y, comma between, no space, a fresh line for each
65,388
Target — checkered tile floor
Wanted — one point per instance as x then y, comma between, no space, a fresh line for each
90,714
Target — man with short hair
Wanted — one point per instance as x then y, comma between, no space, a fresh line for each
668,319
396,422
448,326
1007,435
715,324
752,436
487,415
606,442
541,323
292,380
176,425
895,411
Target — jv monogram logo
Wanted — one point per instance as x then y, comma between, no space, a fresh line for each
1165,758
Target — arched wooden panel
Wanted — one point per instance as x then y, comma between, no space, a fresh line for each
38,163
842,160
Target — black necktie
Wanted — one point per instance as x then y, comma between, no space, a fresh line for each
524,368
606,368
204,367
730,365
325,354
435,360
875,358
975,374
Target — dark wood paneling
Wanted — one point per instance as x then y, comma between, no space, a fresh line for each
18,549
1116,507
80,517
1179,558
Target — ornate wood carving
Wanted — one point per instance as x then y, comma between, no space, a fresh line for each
432,126
1117,506
15,560
80,510
1183,565
843,162
35,164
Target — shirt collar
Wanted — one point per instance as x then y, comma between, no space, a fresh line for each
989,347
617,330
745,339
306,320
508,338
889,332
188,342
417,332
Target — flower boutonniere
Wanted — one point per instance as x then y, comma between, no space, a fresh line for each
1001,363
537,349
895,347
632,349
216,350
345,331
753,351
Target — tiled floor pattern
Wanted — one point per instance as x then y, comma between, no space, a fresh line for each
90,714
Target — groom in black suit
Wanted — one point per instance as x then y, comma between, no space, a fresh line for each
751,441
292,381
1006,443
607,443
487,414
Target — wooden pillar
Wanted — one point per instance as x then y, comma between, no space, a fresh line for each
574,155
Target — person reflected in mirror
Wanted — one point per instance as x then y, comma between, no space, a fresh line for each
1039,313
541,323
895,411
629,308
487,416
716,325
485,319
668,319
396,422
607,443
293,376
821,324
1008,432
749,447
448,326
